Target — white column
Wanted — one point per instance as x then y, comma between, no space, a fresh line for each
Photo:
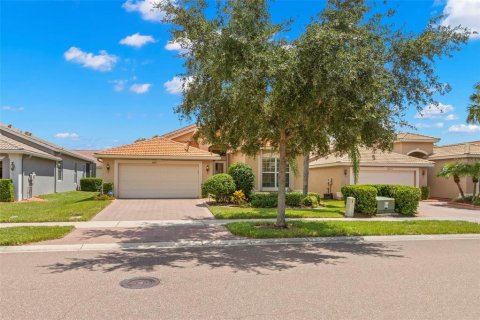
15,163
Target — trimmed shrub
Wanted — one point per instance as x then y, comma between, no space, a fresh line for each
264,200
384,190
7,193
407,199
425,192
316,195
310,201
293,199
220,187
243,177
476,201
107,187
91,184
239,198
365,198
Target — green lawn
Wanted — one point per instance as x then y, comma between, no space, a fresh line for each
330,209
66,206
300,229
21,235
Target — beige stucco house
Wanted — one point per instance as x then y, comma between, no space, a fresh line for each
174,166
414,160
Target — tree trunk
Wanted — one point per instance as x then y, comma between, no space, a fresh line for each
457,181
475,182
306,171
282,180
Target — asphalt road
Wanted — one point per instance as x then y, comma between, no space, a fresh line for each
390,280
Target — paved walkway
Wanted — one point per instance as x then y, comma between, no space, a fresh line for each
441,209
47,247
154,209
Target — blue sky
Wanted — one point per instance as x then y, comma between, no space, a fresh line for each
96,74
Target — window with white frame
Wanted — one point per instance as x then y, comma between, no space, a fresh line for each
270,172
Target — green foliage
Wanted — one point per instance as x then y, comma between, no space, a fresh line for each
350,71
7,193
90,184
107,187
476,201
474,108
406,200
425,192
239,198
264,200
293,199
243,176
384,190
103,197
365,198
220,187
310,201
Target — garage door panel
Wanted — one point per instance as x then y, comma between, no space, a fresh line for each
158,181
387,177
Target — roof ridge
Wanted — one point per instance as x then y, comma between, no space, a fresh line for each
178,131
457,144
418,134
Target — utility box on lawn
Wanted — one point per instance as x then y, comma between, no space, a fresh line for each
385,205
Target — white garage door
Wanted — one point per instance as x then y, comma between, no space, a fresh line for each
158,181
387,177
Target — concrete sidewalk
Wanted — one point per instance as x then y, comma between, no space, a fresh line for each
208,222
226,243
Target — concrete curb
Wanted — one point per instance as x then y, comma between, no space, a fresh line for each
228,243
211,222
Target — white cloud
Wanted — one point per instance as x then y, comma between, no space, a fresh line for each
66,135
465,13
140,88
119,85
435,112
146,8
100,62
137,40
12,109
177,85
426,125
451,117
176,46
464,128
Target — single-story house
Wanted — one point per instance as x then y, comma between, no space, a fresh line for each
39,167
91,155
415,160
174,166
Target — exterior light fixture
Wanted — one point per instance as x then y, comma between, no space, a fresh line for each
345,172
423,172
207,168
108,166
12,165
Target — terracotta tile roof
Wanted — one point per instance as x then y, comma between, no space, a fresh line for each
7,144
179,132
370,158
158,147
415,137
456,150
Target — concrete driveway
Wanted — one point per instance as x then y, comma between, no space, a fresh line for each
154,209
441,209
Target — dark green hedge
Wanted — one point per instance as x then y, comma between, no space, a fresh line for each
243,177
107,187
270,199
425,192
90,184
365,198
220,187
406,197
7,193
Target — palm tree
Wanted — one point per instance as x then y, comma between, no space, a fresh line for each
474,107
455,170
472,170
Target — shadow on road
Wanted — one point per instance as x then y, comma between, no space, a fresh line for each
258,259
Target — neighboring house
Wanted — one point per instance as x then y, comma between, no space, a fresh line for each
39,167
415,161
174,166
90,154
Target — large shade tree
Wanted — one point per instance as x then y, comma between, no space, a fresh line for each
343,84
